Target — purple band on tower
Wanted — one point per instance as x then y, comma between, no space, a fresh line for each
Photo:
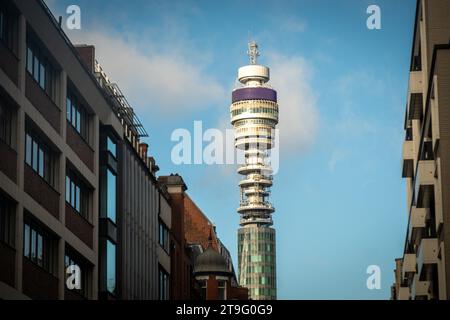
259,93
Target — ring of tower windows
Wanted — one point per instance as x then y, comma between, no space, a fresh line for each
254,106
259,109
254,131
245,122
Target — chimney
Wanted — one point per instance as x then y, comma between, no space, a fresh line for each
87,55
143,147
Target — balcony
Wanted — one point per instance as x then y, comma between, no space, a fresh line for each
424,178
262,206
408,159
420,289
256,178
409,264
417,222
255,167
403,293
415,101
415,82
427,254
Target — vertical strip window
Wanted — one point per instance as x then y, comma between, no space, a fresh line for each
111,146
111,267
111,195
26,240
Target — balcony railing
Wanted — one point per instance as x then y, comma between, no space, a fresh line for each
403,293
409,264
418,221
420,289
424,177
408,159
427,254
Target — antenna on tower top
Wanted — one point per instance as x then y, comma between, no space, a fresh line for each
253,52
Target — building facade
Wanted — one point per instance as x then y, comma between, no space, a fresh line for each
193,235
424,270
51,133
76,184
254,116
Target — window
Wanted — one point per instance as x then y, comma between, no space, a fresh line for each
203,286
77,195
111,195
39,247
40,158
110,267
5,124
222,289
163,284
7,221
8,27
41,70
163,236
77,116
71,259
111,146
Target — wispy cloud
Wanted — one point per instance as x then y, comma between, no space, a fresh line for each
174,84
299,117
293,24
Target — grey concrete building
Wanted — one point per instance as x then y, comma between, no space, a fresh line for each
423,272
76,184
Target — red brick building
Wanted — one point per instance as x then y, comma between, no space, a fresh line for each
201,266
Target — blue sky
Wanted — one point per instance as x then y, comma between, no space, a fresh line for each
339,197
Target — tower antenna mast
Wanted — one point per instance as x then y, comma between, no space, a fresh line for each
253,52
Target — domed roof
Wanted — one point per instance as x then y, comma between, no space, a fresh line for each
211,262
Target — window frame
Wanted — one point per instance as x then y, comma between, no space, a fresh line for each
221,285
77,115
77,194
164,236
31,249
113,265
41,69
163,284
111,212
40,158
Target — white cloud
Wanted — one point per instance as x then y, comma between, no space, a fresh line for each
293,24
167,82
290,76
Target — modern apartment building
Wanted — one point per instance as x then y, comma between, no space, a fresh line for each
76,184
424,270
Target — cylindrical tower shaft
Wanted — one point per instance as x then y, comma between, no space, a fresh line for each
254,116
